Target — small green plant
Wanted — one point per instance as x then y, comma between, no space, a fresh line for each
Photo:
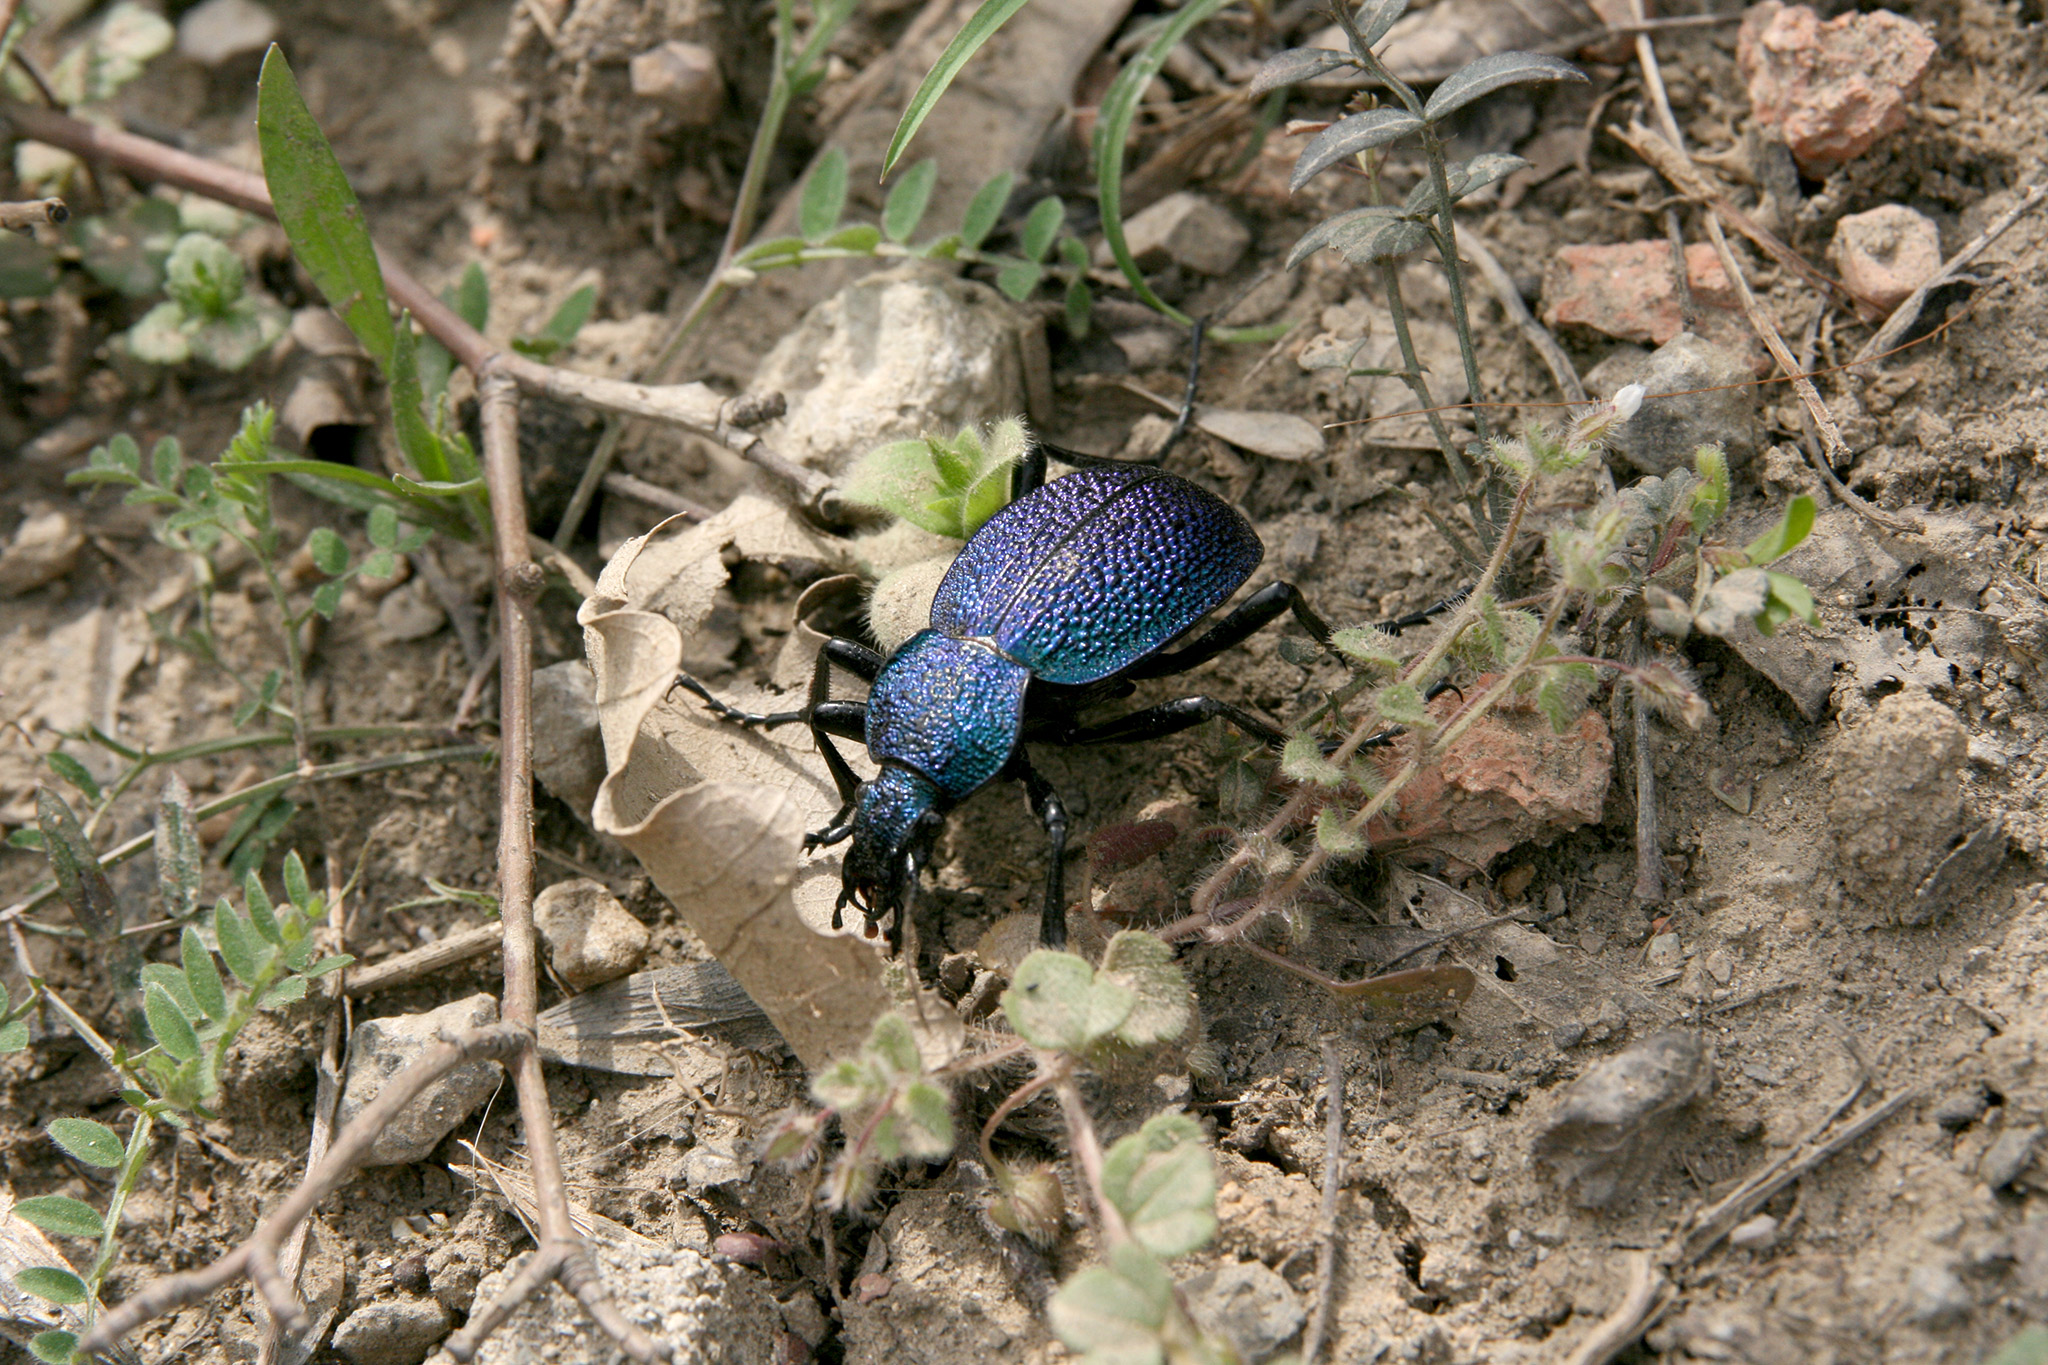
192,1012
1152,1194
946,487
1045,249
210,315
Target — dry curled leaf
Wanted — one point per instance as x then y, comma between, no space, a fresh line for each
717,813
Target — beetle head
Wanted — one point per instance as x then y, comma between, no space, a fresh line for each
895,818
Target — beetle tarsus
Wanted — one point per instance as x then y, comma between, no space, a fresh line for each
726,711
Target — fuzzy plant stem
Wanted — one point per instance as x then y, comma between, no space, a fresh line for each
1087,1150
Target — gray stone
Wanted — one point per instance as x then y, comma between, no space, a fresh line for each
1612,1125
45,548
1754,1234
1959,1108
400,1331
382,1048
409,612
685,77
2008,1155
709,1314
568,750
894,355
1247,1303
1186,230
1897,802
1936,1296
1673,423
590,936
218,31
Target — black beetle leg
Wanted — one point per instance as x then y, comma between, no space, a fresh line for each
1170,718
1423,617
725,710
1052,813
1256,612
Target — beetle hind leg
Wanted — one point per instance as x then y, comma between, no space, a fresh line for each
725,710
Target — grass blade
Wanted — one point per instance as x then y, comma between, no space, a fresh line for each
978,29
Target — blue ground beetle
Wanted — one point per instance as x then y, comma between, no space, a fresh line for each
1063,600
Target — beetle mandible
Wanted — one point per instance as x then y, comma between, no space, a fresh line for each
1064,599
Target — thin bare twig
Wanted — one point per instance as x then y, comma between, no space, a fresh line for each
1535,333
1333,1189
654,495
1907,313
25,215
257,1257
1619,1329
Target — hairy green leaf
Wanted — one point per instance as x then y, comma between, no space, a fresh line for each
80,879
1163,1181
240,947
202,977
318,209
907,201
1161,1005
52,1285
1481,78
168,1024
1349,137
985,210
76,773
824,197
1294,65
86,1140
61,1216
54,1347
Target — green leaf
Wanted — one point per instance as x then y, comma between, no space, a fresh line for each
334,962
26,837
1293,66
239,946
923,1121
203,275
328,550
261,912
1042,225
62,1216
1303,760
80,879
74,772
563,325
1481,78
1793,596
28,269
167,461
1161,1004
202,977
168,1024
298,887
318,209
1348,137
54,1347
383,528
1116,1314
1162,1180
1119,105
49,1283
985,210
1376,17
1019,278
85,1140
824,197
1783,538
471,297
904,209
13,1036
1333,838
409,407
1048,1001
2028,1346
859,238
288,991
1079,306
979,28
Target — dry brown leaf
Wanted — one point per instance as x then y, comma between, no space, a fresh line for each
1275,435
717,814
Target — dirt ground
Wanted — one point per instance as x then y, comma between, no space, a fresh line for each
1813,939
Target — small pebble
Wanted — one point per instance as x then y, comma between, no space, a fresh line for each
1698,393
685,77
45,547
2007,1156
399,1331
216,32
408,612
1960,1108
381,1048
1885,254
1187,230
1935,1296
1756,1234
1247,1303
590,936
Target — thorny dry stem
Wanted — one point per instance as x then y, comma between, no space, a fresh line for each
1208,896
1333,1188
